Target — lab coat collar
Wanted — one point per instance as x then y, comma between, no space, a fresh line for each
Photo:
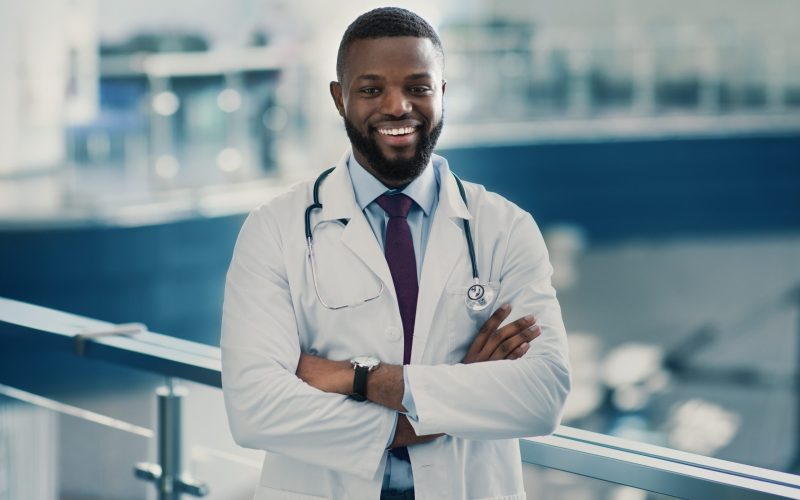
336,193
450,201
339,201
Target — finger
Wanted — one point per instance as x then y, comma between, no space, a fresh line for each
505,333
525,347
519,351
495,319
488,327
505,348
515,327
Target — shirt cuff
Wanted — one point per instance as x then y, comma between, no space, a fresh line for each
394,431
408,398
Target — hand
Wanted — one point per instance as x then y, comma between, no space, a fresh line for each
510,342
404,434
326,375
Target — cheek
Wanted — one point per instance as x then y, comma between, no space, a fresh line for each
435,116
433,110
357,115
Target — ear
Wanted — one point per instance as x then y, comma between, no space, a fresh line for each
336,94
444,85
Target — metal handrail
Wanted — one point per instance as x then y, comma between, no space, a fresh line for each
151,352
639,465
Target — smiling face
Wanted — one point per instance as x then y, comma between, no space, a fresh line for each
390,98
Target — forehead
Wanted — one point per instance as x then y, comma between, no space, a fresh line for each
388,56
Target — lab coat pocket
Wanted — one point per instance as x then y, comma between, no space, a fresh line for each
267,493
463,323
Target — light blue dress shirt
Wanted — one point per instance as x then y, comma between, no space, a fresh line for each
424,190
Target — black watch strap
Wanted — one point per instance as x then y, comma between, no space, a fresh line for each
360,383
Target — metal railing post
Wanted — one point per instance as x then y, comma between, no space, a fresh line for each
167,474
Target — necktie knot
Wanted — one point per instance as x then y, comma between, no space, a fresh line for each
396,205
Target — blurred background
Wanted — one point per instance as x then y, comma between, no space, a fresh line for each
657,144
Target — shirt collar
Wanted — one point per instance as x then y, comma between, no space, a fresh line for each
422,190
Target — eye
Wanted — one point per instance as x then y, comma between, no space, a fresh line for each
420,89
370,91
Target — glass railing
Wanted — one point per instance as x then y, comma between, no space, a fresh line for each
78,419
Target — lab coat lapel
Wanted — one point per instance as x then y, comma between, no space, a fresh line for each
339,202
446,245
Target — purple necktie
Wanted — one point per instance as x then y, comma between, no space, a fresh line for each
399,251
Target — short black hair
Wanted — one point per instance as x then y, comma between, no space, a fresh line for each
385,22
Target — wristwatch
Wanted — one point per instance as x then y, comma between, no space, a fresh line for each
362,365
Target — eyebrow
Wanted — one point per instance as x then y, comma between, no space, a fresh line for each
369,77
415,76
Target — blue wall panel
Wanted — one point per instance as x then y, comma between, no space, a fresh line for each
647,188
168,276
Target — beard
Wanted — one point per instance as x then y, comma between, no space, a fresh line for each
400,170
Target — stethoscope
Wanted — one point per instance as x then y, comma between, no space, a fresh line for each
479,295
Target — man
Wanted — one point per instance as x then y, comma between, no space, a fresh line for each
367,370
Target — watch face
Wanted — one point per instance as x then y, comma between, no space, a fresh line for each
370,362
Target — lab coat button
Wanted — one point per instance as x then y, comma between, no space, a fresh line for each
393,333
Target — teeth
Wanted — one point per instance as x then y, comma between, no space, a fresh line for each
396,131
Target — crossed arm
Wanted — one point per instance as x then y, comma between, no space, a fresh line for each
385,385
270,408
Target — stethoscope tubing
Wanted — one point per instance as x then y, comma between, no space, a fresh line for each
468,231
316,204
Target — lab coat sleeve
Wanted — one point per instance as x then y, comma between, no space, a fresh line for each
508,398
268,406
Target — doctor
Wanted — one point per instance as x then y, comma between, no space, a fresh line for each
366,341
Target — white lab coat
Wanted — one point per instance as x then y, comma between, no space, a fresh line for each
321,445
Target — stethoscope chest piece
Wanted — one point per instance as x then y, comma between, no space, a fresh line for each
479,297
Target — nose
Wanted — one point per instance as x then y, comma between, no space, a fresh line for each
395,103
